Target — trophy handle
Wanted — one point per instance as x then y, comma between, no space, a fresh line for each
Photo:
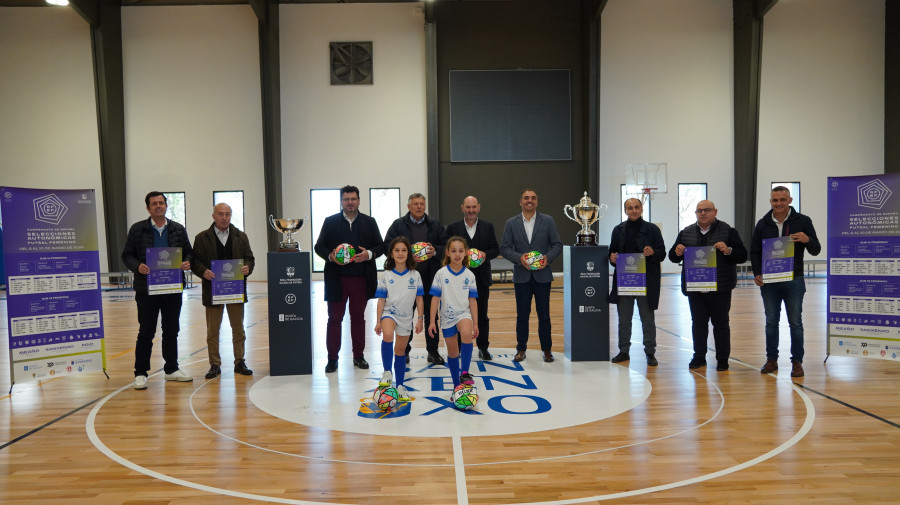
600,216
566,212
272,222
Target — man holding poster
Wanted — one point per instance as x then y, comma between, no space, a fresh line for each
776,253
710,251
636,250
160,238
223,259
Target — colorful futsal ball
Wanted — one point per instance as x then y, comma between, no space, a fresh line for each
386,397
420,251
476,258
535,260
464,397
344,254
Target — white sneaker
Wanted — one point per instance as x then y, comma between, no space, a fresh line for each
403,394
179,376
140,382
386,378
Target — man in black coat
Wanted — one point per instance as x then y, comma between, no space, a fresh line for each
355,281
417,226
156,231
480,235
783,220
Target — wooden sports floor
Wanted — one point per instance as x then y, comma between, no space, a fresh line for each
691,437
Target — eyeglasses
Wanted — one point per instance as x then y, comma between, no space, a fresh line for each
703,211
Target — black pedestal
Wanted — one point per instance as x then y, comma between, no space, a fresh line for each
585,309
290,313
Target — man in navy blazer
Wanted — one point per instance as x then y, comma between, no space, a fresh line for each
355,281
480,235
531,231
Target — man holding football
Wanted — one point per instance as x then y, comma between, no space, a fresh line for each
480,235
352,279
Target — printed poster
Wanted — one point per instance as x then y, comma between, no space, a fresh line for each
54,307
864,266
631,274
228,285
700,268
165,275
777,259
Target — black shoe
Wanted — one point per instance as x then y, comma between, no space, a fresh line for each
214,371
435,358
241,368
548,357
485,355
697,363
722,366
520,355
361,362
622,356
651,360
331,366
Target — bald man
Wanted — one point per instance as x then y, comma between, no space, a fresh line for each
480,235
716,304
222,241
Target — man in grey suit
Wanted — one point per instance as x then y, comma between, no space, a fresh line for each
531,231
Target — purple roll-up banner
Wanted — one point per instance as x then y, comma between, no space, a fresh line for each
54,306
228,285
864,266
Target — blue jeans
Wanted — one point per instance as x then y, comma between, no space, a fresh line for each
525,291
791,293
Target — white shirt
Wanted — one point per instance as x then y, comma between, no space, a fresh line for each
780,224
223,235
529,225
470,229
399,290
454,290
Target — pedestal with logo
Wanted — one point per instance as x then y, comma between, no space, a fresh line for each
586,310
290,313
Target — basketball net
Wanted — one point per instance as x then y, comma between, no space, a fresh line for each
647,194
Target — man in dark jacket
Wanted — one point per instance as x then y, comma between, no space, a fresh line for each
783,221
634,235
417,226
353,282
157,231
715,304
480,235
222,241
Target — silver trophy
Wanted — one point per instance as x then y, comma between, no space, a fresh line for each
287,227
585,213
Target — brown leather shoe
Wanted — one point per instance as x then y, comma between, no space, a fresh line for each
519,356
796,369
548,357
770,366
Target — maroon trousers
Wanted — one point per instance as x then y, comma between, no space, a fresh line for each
353,288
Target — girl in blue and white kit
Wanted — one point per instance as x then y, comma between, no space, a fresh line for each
399,292
455,294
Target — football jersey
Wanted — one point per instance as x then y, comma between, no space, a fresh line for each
399,291
455,289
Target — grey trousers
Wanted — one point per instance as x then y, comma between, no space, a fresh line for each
625,308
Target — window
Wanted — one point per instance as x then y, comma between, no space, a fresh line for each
689,195
795,192
235,199
384,205
176,210
626,195
323,202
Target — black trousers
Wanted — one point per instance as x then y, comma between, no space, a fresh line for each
706,307
149,308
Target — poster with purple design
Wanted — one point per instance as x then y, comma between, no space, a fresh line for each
631,274
165,275
228,285
700,269
864,266
777,259
54,307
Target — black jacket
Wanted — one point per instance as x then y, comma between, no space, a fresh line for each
206,250
140,238
726,270
648,235
330,237
484,240
427,269
795,222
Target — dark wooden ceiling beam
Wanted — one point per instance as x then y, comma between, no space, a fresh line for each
87,9
892,87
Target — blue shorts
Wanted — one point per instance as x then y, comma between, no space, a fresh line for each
450,332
